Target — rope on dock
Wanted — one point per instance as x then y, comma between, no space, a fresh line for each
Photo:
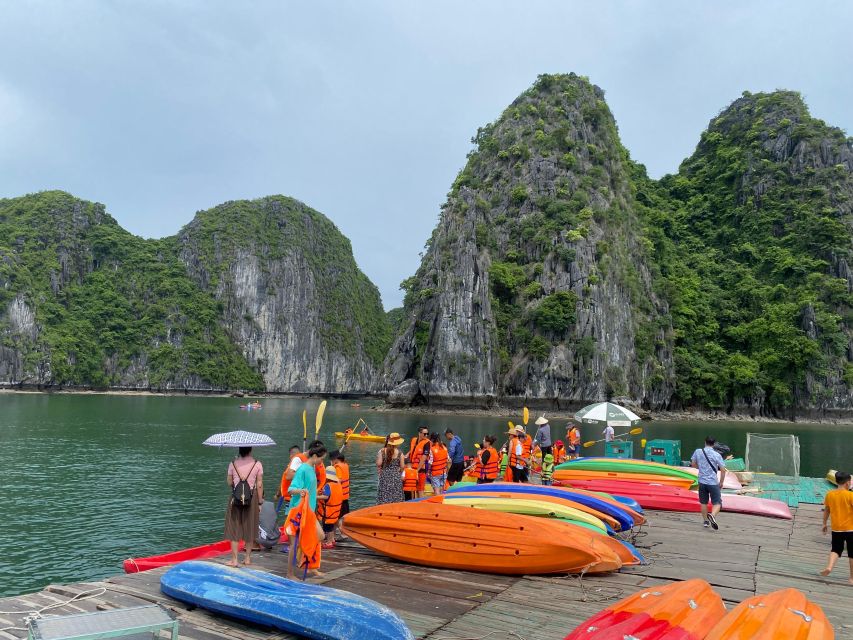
35,614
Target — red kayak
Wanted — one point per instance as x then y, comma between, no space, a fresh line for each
135,565
668,498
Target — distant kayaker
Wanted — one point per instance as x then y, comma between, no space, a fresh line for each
573,438
543,436
838,507
457,457
245,476
709,463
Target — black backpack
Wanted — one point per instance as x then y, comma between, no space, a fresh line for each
242,492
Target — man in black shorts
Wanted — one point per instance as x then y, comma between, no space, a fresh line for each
838,507
456,455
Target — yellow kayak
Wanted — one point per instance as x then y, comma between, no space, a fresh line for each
526,507
357,436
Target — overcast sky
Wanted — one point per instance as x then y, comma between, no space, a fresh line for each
365,110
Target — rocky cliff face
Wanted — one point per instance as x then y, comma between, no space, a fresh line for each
251,295
291,295
535,283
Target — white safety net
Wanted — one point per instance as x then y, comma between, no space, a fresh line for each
773,453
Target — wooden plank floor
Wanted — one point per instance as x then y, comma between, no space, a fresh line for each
747,555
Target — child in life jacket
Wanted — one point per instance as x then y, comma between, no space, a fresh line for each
410,481
547,469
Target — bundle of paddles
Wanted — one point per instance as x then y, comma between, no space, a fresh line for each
692,610
505,528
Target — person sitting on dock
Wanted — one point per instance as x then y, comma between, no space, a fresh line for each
709,463
838,507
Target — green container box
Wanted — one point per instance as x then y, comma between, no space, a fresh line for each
665,451
619,449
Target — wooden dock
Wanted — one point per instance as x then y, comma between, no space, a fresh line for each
748,555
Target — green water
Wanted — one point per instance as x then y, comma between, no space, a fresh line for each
88,481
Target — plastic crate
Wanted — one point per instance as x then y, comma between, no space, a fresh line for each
619,449
664,451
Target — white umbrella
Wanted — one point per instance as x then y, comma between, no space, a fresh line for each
607,413
239,439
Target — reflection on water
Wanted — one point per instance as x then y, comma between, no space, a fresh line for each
90,480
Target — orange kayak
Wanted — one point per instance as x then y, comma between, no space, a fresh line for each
440,535
567,475
781,615
677,611
550,499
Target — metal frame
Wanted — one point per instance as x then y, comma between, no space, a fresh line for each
160,619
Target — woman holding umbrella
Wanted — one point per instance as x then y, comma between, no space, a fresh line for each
246,479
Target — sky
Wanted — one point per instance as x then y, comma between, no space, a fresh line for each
365,110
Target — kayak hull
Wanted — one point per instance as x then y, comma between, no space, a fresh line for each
677,611
627,465
355,437
667,498
308,610
451,537
510,504
782,614
135,565
570,475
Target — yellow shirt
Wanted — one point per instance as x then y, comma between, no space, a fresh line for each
839,503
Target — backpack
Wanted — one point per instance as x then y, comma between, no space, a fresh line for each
241,494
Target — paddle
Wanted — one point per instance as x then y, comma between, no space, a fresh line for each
632,432
304,429
526,415
318,421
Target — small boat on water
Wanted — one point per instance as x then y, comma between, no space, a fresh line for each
369,437
252,406
135,565
355,404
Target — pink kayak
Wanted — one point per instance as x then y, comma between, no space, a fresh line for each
731,481
668,498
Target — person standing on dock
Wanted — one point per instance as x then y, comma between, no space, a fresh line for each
543,436
608,433
245,477
709,463
438,462
573,437
419,450
519,454
457,457
390,463
838,507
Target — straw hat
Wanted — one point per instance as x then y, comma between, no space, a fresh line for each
395,438
518,430
331,474
541,420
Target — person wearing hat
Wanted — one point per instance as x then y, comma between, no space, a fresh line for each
329,509
390,465
559,452
573,436
543,436
519,454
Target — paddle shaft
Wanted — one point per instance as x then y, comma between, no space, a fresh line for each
632,432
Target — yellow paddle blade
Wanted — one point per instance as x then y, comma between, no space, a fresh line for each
511,425
636,432
304,423
643,443
526,415
318,421
587,445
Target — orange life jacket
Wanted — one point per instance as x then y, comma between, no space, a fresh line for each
416,450
410,479
489,471
438,460
319,471
328,511
574,436
524,460
303,521
342,469
559,454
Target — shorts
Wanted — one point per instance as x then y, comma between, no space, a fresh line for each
710,492
437,482
485,480
519,475
421,480
408,495
838,540
344,507
455,472
328,528
572,449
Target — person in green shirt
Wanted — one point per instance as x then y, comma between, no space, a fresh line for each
303,487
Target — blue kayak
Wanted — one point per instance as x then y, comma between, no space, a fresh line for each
308,610
622,517
634,551
629,502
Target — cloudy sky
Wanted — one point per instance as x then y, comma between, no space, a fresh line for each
364,110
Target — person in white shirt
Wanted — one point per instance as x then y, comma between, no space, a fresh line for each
608,433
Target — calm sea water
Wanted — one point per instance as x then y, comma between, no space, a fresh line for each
89,480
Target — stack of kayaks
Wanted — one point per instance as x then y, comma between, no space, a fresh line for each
691,610
623,469
307,610
453,537
653,495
